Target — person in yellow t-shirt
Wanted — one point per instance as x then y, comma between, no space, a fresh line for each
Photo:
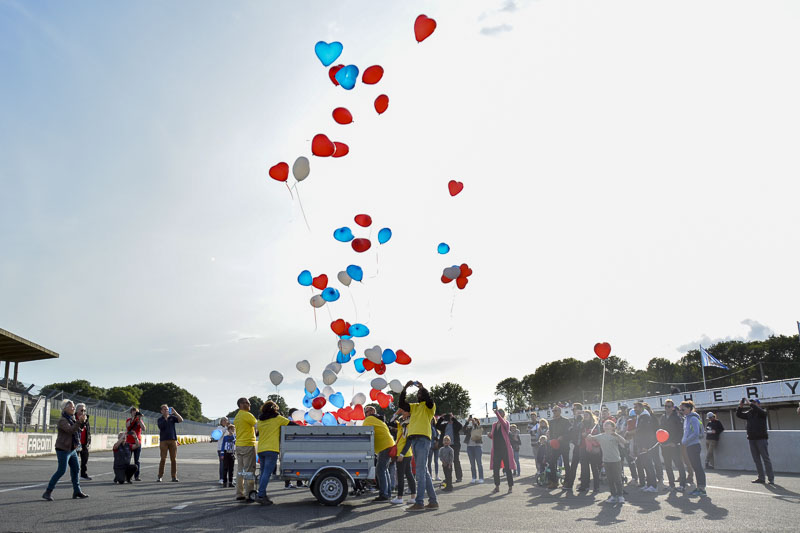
404,457
419,433
245,424
383,443
269,426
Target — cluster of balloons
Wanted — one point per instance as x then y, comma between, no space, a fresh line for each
361,245
328,294
460,274
346,76
376,359
300,170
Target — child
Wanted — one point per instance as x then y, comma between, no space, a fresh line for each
542,454
447,456
123,469
610,442
229,456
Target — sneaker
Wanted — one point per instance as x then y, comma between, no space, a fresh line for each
432,506
771,481
415,507
241,498
158,479
86,477
175,480
137,478
480,480
649,489
510,488
221,481
757,480
496,489
698,492
612,499
620,499
437,478
473,481
264,501
397,500
682,488
381,499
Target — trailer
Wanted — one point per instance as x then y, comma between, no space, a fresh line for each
328,458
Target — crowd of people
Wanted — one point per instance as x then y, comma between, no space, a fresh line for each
411,444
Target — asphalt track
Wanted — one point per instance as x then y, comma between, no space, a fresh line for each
198,503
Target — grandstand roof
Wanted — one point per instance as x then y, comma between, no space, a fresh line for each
19,350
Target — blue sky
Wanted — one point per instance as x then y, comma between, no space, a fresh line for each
629,176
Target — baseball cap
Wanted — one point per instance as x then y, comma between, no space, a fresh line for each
709,415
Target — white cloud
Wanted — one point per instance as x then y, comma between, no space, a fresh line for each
756,332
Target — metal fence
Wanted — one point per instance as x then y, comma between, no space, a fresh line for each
39,413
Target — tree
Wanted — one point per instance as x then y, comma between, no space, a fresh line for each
511,390
255,407
124,395
79,387
451,398
277,398
156,394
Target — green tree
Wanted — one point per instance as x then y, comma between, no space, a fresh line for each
79,387
124,395
255,407
451,398
156,394
511,390
277,398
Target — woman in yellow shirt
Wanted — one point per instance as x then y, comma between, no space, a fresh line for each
269,426
383,443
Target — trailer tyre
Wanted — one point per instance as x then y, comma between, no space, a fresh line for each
330,488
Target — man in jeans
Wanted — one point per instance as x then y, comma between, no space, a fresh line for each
419,433
245,424
714,429
757,437
168,440
672,423
136,425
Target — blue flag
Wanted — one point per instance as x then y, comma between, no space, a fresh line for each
707,359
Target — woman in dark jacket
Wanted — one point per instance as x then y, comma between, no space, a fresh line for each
67,442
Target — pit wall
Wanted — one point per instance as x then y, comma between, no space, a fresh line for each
14,444
732,453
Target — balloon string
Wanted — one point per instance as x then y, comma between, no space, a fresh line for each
315,318
350,292
288,189
328,307
301,209
452,305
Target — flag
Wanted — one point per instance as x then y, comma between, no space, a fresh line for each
706,359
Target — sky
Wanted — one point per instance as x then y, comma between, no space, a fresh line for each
630,175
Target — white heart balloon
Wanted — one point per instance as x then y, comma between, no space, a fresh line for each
378,383
452,272
396,386
328,376
301,168
374,354
327,391
316,414
336,367
299,416
344,278
275,377
304,367
311,385
317,301
359,399
346,346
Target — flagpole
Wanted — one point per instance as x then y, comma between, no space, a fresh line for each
703,368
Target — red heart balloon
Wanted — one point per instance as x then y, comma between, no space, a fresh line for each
342,414
320,282
381,104
339,327
445,279
466,271
341,149
402,357
342,116
462,282
318,402
360,245
455,187
384,400
602,350
363,220
358,413
322,146
332,73
279,172
368,365
380,369
423,27
373,394
372,75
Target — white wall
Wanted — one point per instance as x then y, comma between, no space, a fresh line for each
34,444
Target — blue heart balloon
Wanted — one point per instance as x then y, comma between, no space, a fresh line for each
359,364
359,330
329,420
337,399
216,434
328,53
388,357
443,248
307,402
355,272
343,358
329,294
313,394
305,278
347,76
384,235
310,421
343,234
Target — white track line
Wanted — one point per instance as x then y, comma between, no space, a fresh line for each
774,495
182,506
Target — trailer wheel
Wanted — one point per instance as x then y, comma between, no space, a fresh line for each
330,488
